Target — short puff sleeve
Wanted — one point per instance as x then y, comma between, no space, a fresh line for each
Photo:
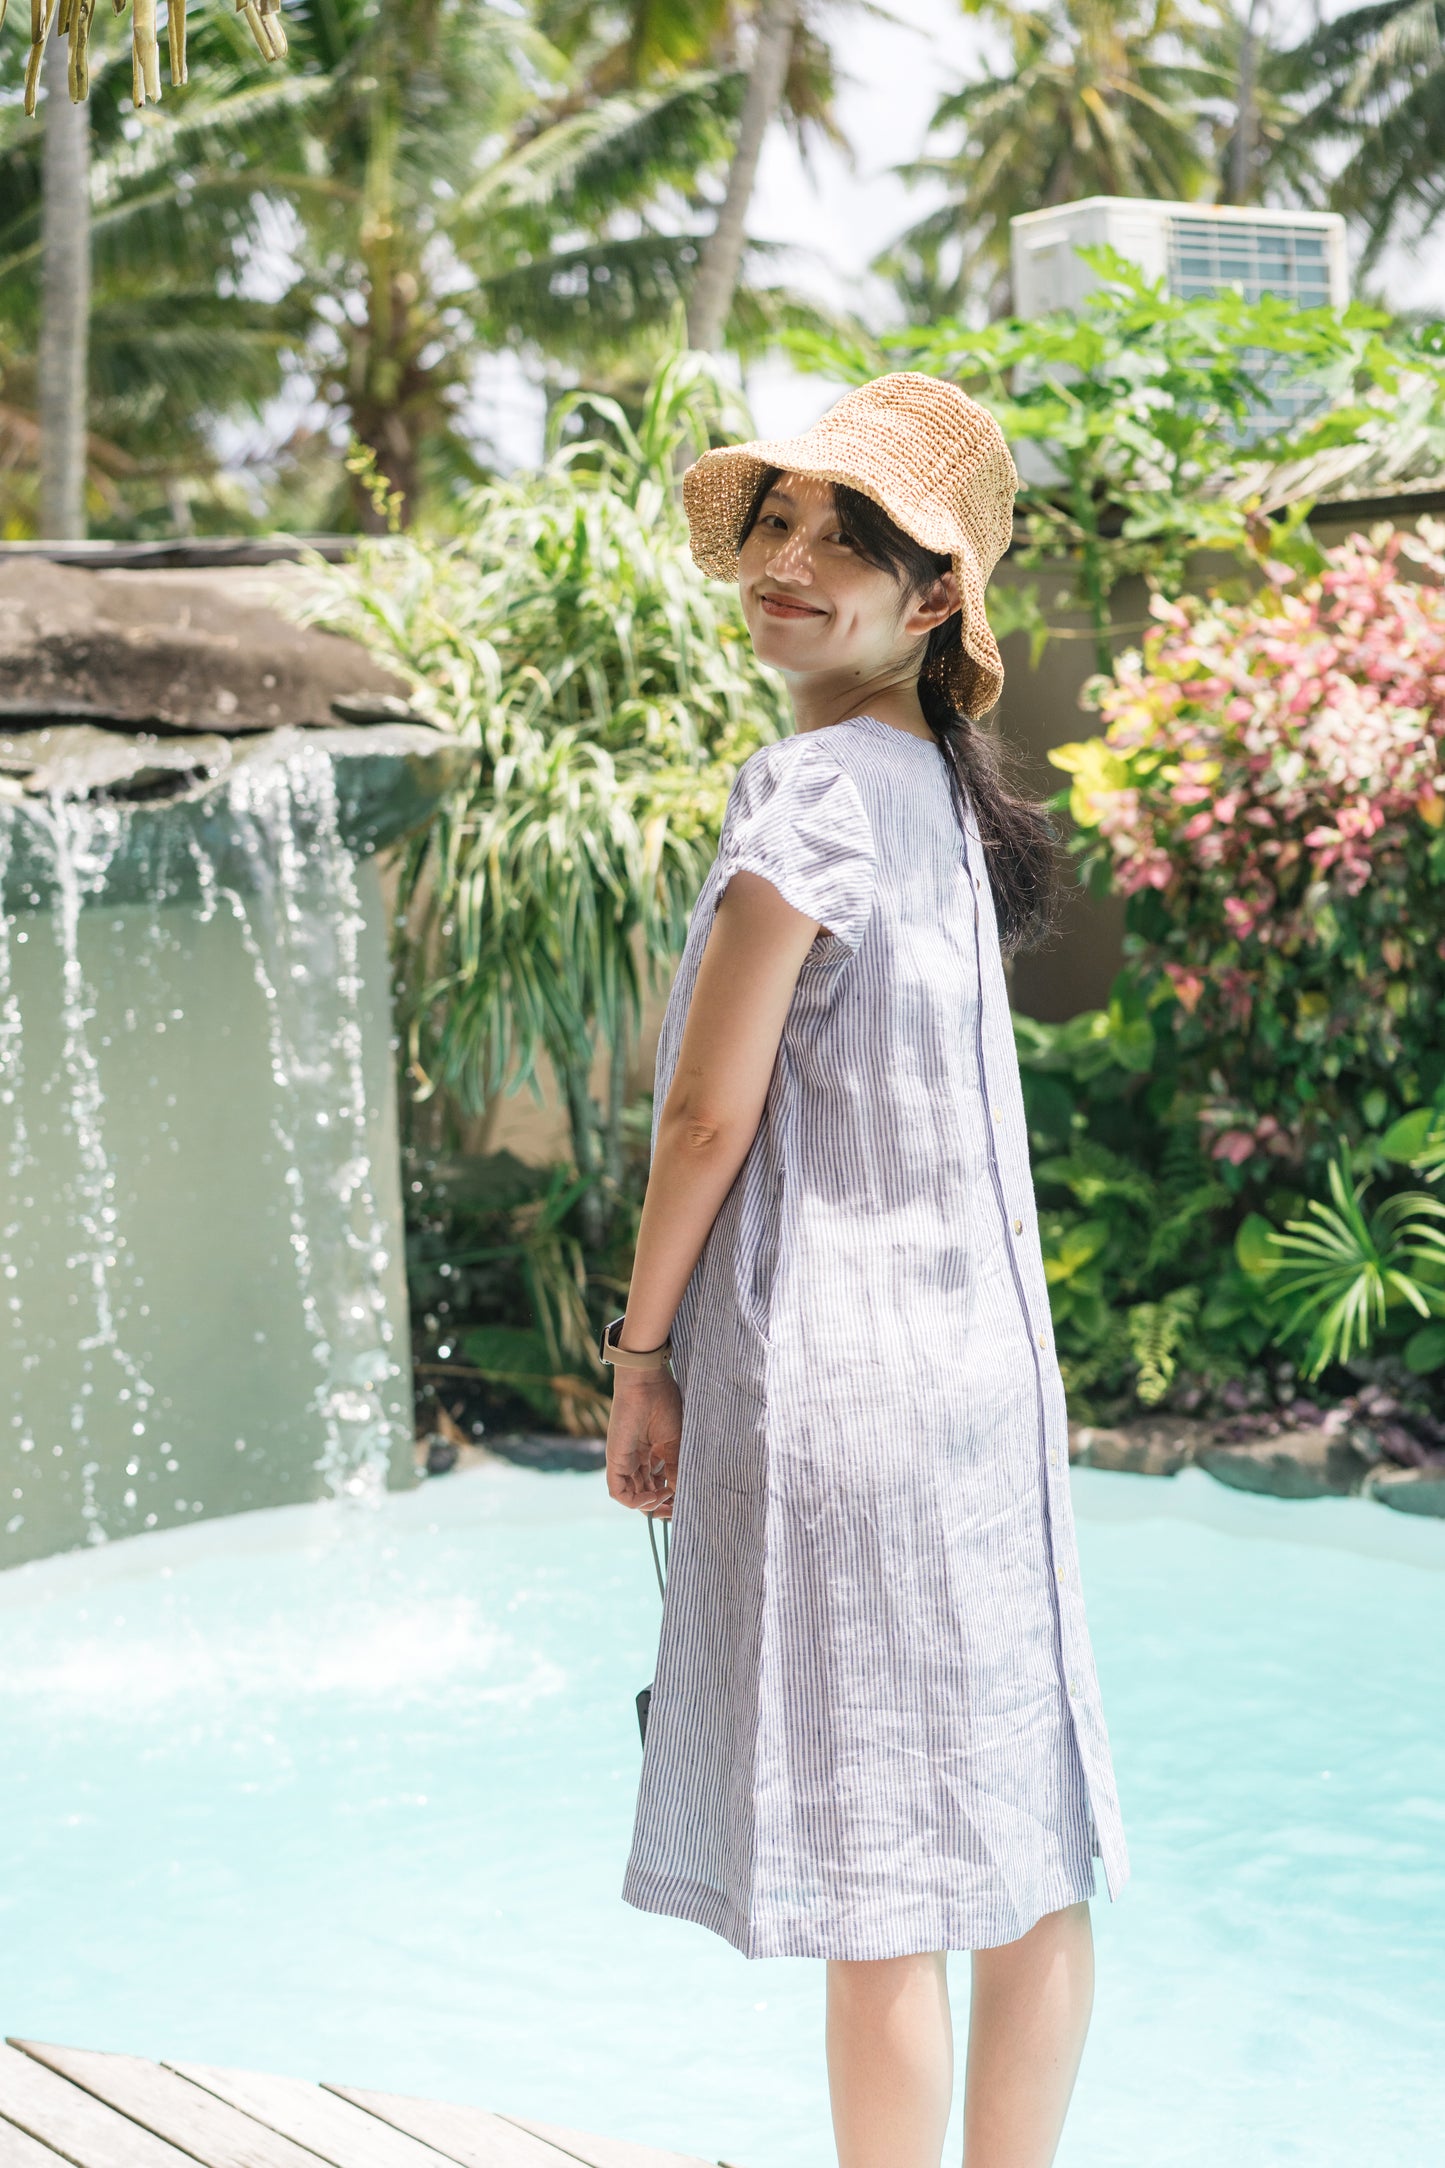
795,817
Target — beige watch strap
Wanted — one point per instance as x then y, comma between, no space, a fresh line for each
630,1358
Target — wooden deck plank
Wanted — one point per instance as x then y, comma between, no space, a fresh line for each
73,2123
602,2152
19,2150
336,2129
469,2136
172,2108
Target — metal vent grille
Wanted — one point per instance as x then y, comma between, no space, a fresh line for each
1207,254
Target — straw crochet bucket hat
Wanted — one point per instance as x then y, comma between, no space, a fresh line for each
931,457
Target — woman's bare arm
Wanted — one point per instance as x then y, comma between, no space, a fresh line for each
735,1019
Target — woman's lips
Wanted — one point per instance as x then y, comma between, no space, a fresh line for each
780,606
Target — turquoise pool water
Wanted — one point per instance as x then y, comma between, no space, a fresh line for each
348,1793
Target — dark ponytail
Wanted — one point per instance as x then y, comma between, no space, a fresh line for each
1020,846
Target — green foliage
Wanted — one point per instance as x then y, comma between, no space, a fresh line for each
609,691
1133,1219
499,1284
1150,426
1163,1290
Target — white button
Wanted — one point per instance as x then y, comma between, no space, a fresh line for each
995,1113
1018,1227
1042,1341
1074,1686
1058,1573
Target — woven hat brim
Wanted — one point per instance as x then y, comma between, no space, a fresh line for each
901,471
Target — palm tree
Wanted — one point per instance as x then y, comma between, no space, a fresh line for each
445,178
1262,151
129,390
1101,98
788,74
441,205
65,314
431,205
1372,84
710,301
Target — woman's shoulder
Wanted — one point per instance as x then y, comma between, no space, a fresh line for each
805,749
803,776
806,759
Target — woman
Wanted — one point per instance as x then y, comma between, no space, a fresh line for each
875,1732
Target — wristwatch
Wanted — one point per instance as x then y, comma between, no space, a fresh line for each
632,1358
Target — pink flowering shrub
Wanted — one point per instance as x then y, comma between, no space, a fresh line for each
1269,795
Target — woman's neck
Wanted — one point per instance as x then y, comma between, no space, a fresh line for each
819,702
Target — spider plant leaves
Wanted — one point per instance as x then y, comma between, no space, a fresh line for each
609,691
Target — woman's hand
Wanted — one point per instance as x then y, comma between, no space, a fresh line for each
644,1432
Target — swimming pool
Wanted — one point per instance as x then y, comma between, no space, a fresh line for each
347,1793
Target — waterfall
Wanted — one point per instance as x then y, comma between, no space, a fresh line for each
194,1076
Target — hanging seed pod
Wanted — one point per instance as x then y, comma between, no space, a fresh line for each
145,54
263,18
42,14
76,17
72,19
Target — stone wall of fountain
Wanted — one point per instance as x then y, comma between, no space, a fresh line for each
202,1300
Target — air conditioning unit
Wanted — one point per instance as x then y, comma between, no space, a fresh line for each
1197,248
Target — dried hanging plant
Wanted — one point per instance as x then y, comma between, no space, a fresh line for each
71,19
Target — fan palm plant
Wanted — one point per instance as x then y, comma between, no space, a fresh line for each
1341,1269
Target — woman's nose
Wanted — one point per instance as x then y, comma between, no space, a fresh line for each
793,560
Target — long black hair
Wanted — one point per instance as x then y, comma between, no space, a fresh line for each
1020,846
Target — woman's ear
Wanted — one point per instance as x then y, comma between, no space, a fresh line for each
934,605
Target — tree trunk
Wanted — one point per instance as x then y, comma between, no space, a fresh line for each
65,304
1242,142
722,255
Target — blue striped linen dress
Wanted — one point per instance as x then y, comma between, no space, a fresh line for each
875,1724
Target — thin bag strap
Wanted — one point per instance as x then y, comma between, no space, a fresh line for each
658,1563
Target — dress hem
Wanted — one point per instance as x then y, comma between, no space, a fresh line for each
705,1907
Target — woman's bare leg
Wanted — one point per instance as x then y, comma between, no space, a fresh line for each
1027,2020
890,2060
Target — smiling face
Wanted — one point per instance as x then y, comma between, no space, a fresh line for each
816,607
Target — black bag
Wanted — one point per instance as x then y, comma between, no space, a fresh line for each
644,1696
